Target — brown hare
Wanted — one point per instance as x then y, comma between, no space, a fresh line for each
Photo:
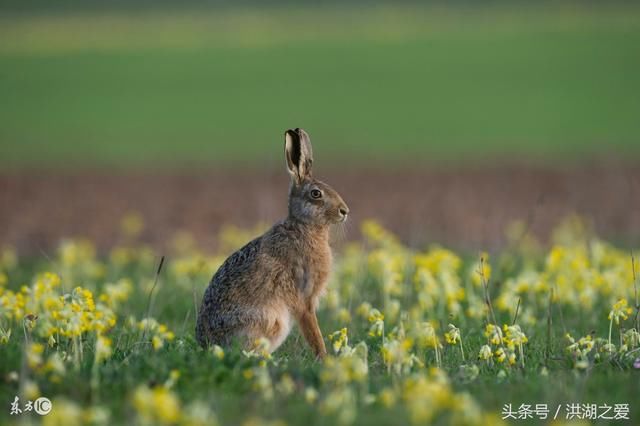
278,277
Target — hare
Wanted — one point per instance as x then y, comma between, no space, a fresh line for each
278,277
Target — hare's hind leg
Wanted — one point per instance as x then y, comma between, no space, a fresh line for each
273,324
278,330
246,327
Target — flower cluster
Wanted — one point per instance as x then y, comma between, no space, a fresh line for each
159,333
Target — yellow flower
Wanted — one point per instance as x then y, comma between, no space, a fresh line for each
387,397
485,353
157,405
375,233
63,413
157,342
514,335
481,271
339,339
343,315
34,355
375,315
198,413
426,336
174,375
96,415
132,225
113,294
348,367
493,333
453,335
376,318
8,258
159,332
286,385
217,351
232,237
631,338
364,309
73,253
620,310
426,396
103,348
340,402
4,335
257,421
310,395
31,390
55,365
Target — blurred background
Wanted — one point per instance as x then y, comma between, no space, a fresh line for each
446,121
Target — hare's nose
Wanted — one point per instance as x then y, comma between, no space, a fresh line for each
344,211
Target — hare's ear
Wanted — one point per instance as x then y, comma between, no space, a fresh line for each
298,153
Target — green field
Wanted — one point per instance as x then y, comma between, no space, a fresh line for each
170,88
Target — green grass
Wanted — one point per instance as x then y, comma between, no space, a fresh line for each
221,384
374,85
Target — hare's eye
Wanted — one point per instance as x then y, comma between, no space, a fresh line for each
316,194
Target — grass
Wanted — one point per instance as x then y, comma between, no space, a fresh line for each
235,397
374,85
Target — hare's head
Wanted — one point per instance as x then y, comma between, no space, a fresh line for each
310,200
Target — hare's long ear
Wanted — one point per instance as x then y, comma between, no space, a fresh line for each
299,155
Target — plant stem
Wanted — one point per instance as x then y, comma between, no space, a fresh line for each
435,347
610,327
636,323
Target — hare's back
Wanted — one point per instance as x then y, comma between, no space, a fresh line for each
236,269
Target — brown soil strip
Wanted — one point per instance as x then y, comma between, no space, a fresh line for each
463,208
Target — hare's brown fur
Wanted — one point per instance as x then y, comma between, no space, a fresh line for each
278,277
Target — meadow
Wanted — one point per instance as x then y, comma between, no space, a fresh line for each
415,337
178,115
378,85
